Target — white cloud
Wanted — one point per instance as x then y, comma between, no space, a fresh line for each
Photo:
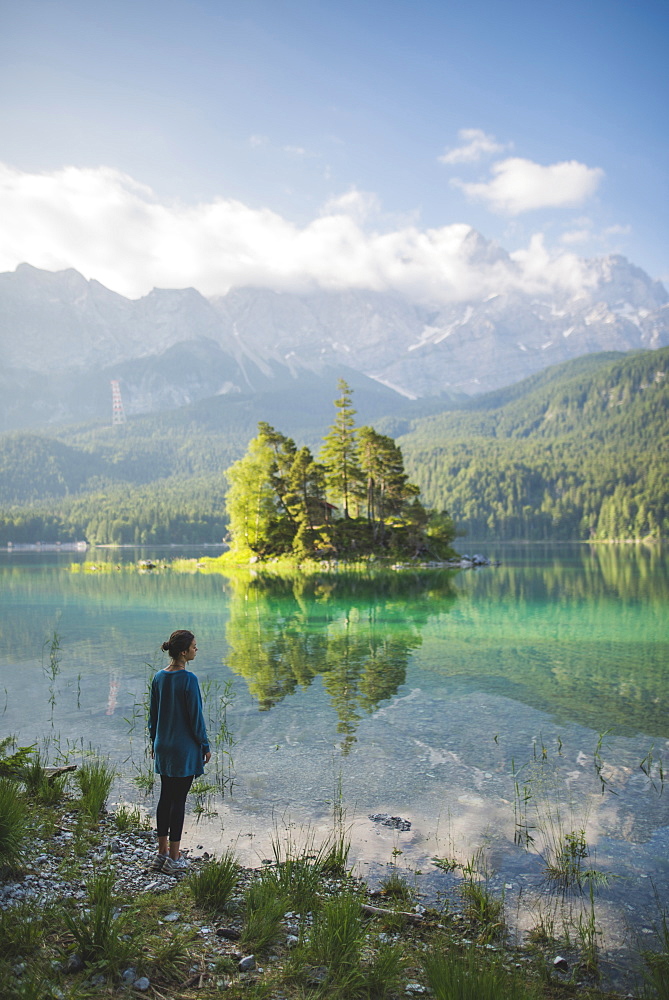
107,226
584,231
543,271
520,185
474,144
573,236
618,230
361,206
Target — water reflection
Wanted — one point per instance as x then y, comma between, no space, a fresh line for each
356,633
422,692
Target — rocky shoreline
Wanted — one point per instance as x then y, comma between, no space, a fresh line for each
58,867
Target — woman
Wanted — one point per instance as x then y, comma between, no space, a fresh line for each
179,744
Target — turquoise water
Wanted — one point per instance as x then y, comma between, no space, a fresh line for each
417,695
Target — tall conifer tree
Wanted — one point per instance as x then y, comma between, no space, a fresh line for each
339,456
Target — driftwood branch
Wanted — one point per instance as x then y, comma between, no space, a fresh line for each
53,772
378,911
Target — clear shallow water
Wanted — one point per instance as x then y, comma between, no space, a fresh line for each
420,694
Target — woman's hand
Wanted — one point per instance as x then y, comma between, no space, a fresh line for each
207,757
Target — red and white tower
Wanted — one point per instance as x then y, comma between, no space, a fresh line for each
118,413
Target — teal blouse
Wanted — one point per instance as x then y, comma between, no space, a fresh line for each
176,724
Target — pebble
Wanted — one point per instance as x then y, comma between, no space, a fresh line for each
247,964
229,933
141,984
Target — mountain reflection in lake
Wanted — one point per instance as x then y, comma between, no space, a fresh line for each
490,708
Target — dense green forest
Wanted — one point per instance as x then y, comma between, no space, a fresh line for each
580,450
584,454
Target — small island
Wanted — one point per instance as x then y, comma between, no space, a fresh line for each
353,503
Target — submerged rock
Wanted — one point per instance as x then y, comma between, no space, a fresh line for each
396,822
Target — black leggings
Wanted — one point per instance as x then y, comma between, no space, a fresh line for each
172,805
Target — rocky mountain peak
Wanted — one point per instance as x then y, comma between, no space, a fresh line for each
62,324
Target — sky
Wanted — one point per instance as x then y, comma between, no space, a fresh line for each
303,144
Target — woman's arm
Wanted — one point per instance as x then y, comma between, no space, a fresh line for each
196,716
153,714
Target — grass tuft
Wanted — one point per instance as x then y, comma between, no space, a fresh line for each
656,971
265,907
483,909
468,976
46,789
213,885
130,818
395,886
13,824
336,943
100,931
95,778
20,930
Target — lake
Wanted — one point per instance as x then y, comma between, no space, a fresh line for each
497,710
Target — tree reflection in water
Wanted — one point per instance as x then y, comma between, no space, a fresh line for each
357,633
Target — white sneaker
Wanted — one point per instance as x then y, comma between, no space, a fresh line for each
158,862
178,867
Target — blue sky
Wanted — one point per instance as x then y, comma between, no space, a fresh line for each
303,143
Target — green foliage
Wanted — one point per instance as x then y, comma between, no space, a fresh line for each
277,502
12,765
580,452
13,824
395,886
483,909
340,455
384,973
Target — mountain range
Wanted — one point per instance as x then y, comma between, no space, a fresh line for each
64,338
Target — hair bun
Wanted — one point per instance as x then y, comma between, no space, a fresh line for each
165,646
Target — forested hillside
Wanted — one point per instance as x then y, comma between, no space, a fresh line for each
578,451
581,451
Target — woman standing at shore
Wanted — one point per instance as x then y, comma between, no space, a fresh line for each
179,744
